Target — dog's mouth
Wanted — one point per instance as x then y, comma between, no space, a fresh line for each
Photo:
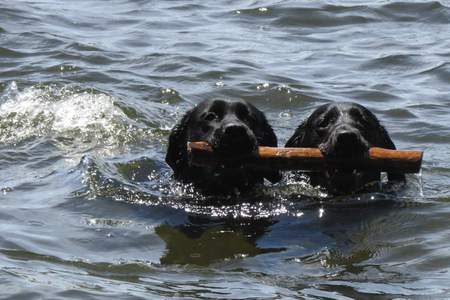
336,174
234,160
344,178
232,151
339,151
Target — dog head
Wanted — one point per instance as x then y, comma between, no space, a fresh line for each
234,129
344,130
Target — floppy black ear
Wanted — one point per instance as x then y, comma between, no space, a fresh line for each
298,138
269,139
177,157
386,142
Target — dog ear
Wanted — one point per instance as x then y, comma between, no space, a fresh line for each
177,157
298,138
382,139
386,142
268,137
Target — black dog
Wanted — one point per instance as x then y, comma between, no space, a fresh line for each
343,130
234,129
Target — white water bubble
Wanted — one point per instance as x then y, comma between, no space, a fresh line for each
261,86
168,91
285,115
321,212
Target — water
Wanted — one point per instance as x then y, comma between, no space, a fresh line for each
90,89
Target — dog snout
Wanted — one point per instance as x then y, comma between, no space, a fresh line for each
344,142
235,139
347,139
235,131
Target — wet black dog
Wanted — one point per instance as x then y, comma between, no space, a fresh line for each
343,130
234,129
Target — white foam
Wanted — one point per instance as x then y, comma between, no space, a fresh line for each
60,112
81,111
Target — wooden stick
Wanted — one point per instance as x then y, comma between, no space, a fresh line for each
378,159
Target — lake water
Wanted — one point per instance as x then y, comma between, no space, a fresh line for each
89,91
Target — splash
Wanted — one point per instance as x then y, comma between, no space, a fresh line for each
103,180
291,197
82,119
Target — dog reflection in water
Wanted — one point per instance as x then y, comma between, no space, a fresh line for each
202,241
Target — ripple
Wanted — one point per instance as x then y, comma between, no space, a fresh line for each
171,63
278,96
187,7
169,96
102,222
8,53
373,95
400,113
59,68
138,170
432,69
424,132
441,71
341,15
426,11
17,14
399,61
77,46
94,58
327,16
118,267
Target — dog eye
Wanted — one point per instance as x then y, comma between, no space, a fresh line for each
243,114
362,122
210,116
248,117
324,123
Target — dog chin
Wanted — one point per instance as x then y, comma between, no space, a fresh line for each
343,181
225,180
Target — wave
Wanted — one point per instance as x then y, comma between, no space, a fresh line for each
68,115
311,14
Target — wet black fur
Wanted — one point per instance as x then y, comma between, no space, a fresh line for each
343,130
234,129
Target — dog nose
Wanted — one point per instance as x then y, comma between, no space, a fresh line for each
347,139
235,139
235,131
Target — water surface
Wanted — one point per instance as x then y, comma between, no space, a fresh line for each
89,91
